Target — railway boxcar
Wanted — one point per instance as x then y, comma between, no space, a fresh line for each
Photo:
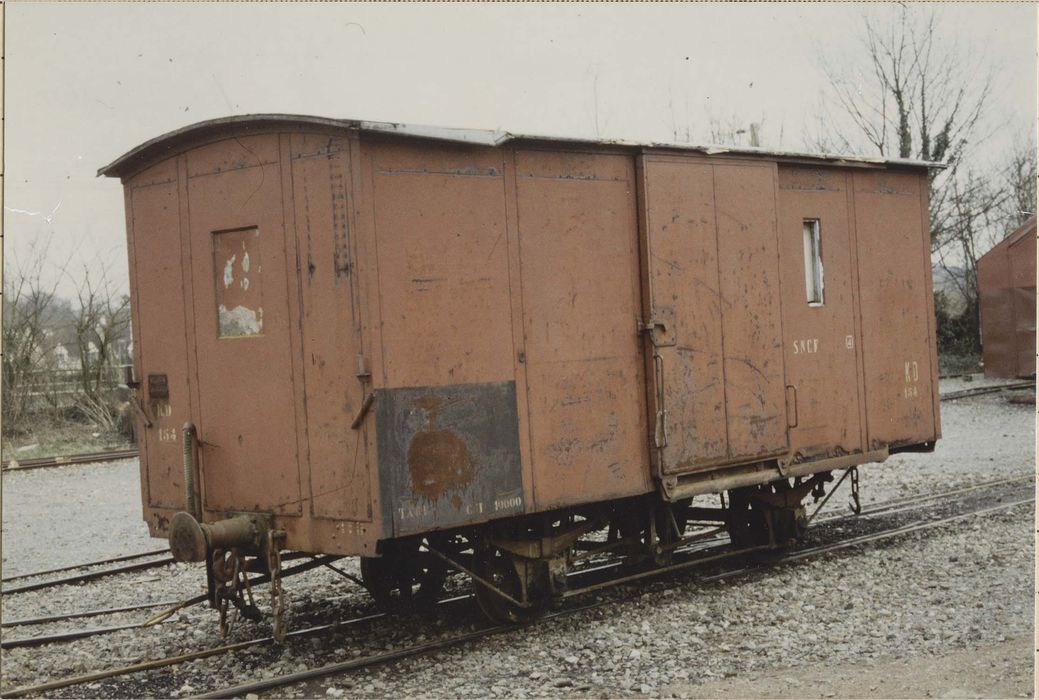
437,347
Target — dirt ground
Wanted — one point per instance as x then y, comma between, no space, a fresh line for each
1003,670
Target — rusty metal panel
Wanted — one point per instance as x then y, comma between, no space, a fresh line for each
819,340
444,288
1006,286
159,328
246,419
578,237
748,260
448,455
712,263
997,314
339,480
893,255
240,152
682,263
1024,331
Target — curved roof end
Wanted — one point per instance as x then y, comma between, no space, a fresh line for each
172,141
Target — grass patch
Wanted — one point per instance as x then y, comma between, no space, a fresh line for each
62,440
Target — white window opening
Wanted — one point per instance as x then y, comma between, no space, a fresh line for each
813,263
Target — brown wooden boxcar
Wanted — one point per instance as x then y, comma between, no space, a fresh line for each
1006,290
372,332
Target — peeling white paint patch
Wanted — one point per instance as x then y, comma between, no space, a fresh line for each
245,283
46,217
240,321
229,272
245,262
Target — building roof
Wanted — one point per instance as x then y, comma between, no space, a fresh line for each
172,142
1028,228
1025,229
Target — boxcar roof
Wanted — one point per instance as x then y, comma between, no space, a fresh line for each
179,139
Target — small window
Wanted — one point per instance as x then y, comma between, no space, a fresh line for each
813,263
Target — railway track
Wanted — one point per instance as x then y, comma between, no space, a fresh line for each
886,508
93,575
86,576
978,391
438,645
885,511
89,458
84,565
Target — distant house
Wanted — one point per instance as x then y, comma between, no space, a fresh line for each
1006,289
62,349
62,357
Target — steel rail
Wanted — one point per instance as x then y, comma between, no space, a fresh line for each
865,539
82,613
64,636
71,635
977,391
73,567
716,542
437,645
889,507
89,576
460,639
89,458
174,660
901,504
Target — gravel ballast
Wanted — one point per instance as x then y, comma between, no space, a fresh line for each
916,599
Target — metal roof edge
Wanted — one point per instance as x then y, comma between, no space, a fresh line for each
1025,229
1003,246
165,143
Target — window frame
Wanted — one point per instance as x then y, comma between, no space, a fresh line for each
812,243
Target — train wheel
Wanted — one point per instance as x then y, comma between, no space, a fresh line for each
751,523
500,569
404,578
788,525
746,523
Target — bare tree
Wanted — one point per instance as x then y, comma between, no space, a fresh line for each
915,95
28,301
102,322
977,205
915,92
1019,178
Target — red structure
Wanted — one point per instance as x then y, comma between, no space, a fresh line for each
387,336
1006,288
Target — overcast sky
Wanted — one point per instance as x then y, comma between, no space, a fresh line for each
87,82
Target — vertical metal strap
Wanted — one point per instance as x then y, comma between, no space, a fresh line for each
660,430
